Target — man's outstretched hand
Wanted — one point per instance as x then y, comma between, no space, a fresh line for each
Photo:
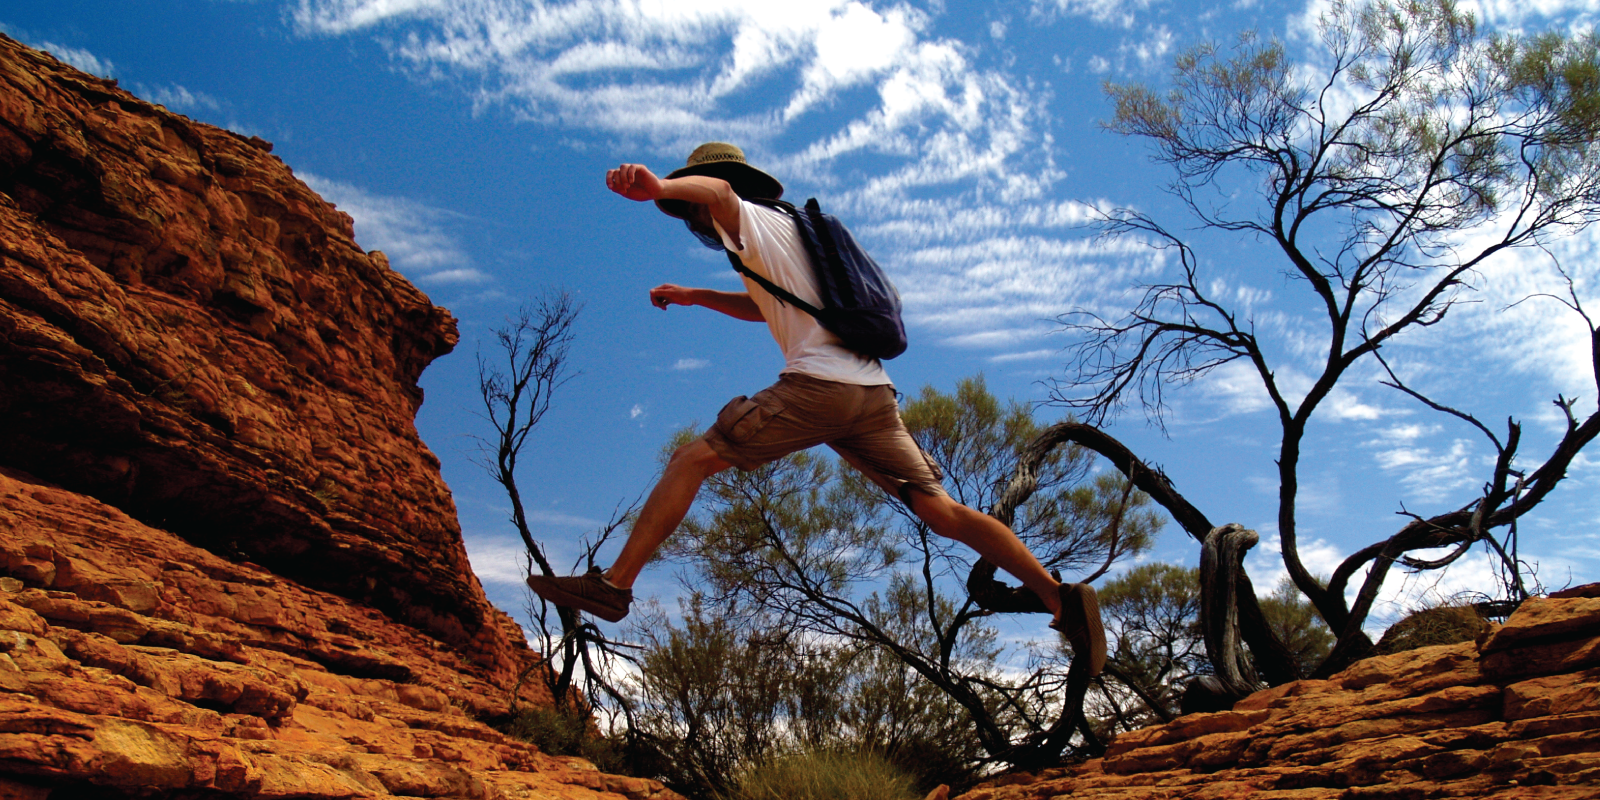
668,294
635,182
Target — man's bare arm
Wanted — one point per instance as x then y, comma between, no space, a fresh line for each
637,182
735,304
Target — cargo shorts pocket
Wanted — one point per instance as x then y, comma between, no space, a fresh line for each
743,417
933,466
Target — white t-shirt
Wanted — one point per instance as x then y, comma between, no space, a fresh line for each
773,250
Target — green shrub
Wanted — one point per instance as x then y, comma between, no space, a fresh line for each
559,732
822,775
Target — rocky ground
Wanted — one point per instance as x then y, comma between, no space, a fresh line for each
1513,715
133,664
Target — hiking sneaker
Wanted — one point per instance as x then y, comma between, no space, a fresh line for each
589,592
1080,621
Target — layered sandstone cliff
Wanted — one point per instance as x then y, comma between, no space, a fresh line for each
134,664
228,565
191,335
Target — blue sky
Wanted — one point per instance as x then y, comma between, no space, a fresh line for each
961,142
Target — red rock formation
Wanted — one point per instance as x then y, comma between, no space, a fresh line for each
1515,715
133,663
190,334
228,565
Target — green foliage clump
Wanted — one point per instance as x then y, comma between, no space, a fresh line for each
824,775
1294,621
567,732
1153,615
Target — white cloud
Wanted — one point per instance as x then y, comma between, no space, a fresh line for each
497,560
1430,474
661,69
1151,51
1516,15
1537,336
80,58
455,276
1106,12
920,147
636,412
1236,389
1407,433
1265,562
1343,405
178,98
996,292
684,364
411,234
1028,355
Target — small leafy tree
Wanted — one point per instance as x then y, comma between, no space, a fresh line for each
727,690
1295,622
1152,615
819,551
1425,150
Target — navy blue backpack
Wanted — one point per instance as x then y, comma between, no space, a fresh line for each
859,304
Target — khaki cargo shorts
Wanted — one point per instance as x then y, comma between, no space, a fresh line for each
861,423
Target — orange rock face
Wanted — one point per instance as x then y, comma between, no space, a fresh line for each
134,664
228,565
1516,715
190,334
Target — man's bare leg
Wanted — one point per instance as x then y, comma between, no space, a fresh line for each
610,595
991,538
665,508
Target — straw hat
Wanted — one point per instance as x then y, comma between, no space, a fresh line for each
725,161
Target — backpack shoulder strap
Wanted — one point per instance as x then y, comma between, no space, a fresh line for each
783,295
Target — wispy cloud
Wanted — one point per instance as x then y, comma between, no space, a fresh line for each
413,235
497,560
944,167
1429,473
663,70
1028,355
1149,52
80,58
1121,13
1580,15
178,98
686,364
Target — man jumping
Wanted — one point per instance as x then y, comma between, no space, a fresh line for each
825,394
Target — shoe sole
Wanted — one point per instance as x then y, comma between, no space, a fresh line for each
1080,621
562,597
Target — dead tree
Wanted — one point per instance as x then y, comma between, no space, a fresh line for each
534,346
1425,150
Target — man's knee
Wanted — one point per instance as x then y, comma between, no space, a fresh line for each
699,458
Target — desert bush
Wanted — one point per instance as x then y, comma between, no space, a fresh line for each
824,775
1432,626
566,732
